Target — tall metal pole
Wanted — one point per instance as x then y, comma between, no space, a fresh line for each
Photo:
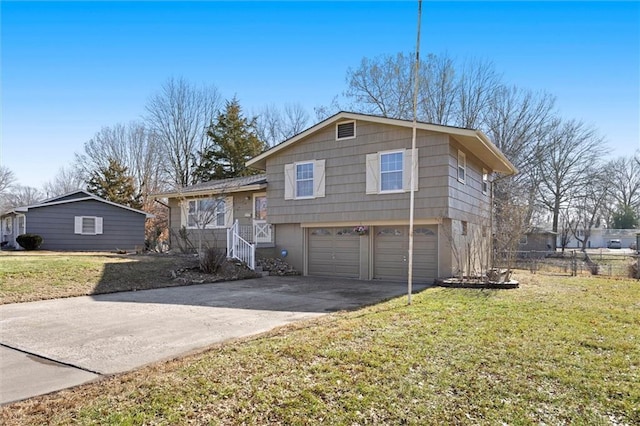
414,157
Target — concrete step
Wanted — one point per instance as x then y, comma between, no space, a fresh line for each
260,271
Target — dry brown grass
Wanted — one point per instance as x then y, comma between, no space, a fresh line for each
38,275
559,350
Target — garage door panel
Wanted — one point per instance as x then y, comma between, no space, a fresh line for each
391,252
334,252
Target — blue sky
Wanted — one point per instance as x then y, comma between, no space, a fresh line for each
69,69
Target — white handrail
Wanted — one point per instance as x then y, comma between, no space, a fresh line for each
239,248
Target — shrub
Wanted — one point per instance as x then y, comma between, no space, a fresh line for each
29,241
211,260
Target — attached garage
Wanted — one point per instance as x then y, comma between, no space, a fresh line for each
334,252
391,250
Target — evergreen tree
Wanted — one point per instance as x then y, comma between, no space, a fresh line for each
233,141
625,218
114,184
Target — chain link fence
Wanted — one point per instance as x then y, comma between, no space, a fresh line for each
575,262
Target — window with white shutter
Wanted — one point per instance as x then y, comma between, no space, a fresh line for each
87,225
390,171
304,180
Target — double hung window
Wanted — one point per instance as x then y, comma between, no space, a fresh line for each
206,213
462,166
390,171
87,225
304,180
391,167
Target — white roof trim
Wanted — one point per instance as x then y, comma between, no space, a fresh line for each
73,200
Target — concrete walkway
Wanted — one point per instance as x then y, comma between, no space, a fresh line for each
55,344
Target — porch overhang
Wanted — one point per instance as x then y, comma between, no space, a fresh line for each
208,192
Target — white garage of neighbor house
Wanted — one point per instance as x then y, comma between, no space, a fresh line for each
336,198
77,221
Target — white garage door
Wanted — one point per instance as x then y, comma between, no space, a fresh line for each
391,250
334,252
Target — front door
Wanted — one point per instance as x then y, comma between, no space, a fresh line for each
261,229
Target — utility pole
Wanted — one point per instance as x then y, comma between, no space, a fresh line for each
414,157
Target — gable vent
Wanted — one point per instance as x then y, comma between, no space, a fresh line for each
346,130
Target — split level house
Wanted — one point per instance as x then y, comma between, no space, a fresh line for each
78,220
334,200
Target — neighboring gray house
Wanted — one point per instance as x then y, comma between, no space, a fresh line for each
77,221
336,198
537,240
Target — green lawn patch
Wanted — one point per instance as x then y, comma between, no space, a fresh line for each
559,350
29,276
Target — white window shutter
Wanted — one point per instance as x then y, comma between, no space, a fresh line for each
289,182
228,213
406,172
372,173
77,225
98,225
318,178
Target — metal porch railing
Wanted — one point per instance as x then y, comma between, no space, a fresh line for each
239,248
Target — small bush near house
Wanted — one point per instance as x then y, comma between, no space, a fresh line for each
211,260
29,241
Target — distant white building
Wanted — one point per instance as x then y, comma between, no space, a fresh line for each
600,238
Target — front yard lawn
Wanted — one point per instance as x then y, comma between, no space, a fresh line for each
37,275
559,350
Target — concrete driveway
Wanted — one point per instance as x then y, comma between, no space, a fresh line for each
55,344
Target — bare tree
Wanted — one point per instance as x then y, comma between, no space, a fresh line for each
623,175
274,125
517,121
382,86
450,93
268,124
508,229
322,112
565,231
477,87
7,178
295,119
20,195
439,94
67,179
180,115
134,146
571,150
587,206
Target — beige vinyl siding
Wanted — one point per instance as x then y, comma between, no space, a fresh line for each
345,177
242,211
475,236
466,200
290,237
